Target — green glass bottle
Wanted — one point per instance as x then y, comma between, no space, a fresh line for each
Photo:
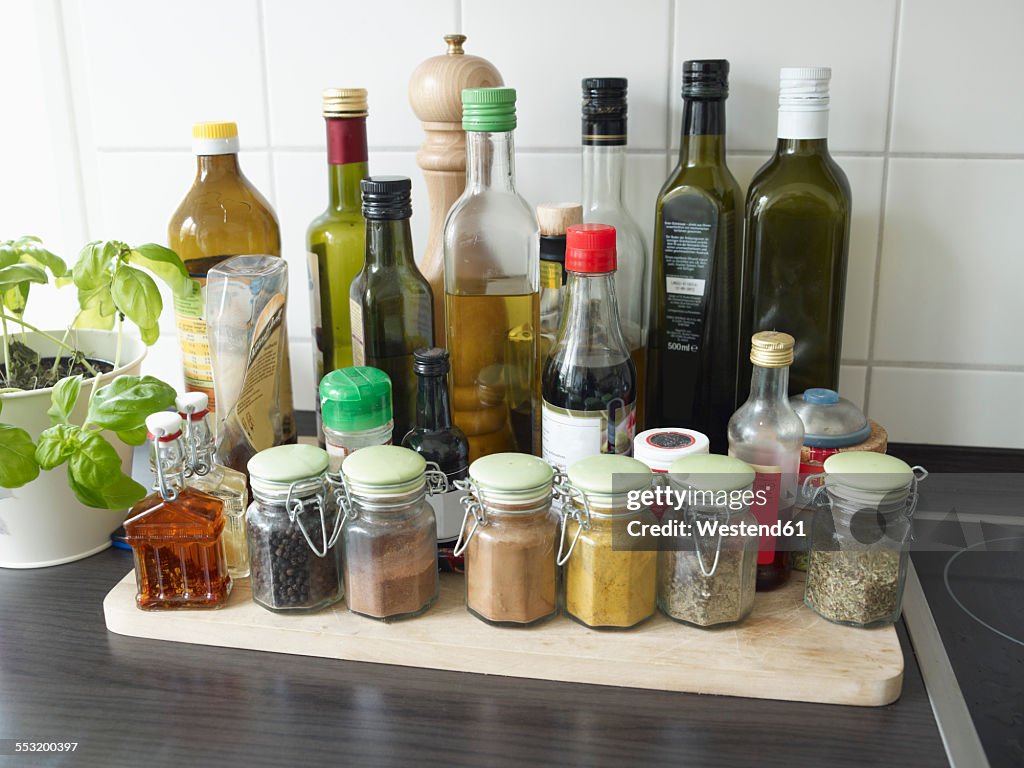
392,306
694,341
336,238
798,235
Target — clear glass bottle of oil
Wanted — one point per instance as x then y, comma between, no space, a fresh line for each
492,287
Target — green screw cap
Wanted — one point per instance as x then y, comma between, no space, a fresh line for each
489,109
355,399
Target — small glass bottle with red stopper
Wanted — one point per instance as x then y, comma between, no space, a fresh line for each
175,532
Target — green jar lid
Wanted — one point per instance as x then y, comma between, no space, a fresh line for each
286,464
384,470
868,471
355,399
511,477
710,472
606,476
489,109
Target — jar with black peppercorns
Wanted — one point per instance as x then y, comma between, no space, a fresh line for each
293,526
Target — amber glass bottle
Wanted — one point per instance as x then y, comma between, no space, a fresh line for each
222,215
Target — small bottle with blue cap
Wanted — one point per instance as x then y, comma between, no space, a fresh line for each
176,532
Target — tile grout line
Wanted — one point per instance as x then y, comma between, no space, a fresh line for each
69,103
883,199
261,22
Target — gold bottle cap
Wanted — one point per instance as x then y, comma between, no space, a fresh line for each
556,218
344,102
772,349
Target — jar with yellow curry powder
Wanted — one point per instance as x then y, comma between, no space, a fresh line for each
610,561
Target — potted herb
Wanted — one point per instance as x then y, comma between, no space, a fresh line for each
72,402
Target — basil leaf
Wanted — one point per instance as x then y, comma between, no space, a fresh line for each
125,402
16,274
56,445
94,460
92,317
135,436
44,258
121,492
165,264
16,298
17,457
63,399
8,254
92,269
137,298
88,496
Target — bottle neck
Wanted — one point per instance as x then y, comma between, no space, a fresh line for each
703,139
433,409
170,456
603,176
769,384
490,161
347,162
804,147
388,244
592,313
216,166
808,123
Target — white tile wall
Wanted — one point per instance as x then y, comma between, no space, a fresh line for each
931,134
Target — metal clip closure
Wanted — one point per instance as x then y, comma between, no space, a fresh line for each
341,496
474,506
700,555
167,492
295,508
437,481
574,505
194,465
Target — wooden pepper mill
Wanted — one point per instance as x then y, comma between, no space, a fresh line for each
435,93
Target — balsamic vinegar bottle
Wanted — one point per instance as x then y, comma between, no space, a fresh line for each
798,235
694,341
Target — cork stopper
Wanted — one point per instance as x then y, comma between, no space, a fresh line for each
436,85
555,218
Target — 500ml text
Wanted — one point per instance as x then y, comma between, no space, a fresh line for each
705,527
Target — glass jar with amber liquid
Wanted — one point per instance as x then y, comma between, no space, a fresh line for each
175,532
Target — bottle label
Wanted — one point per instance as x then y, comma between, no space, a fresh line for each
551,274
262,394
190,317
688,238
767,486
356,319
448,509
569,435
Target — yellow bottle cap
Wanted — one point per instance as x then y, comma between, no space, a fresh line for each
344,102
772,349
220,138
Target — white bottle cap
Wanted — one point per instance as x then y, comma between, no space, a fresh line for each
804,88
163,425
658,448
197,402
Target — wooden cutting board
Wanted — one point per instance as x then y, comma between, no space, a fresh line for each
782,651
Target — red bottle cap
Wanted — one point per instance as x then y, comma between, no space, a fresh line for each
590,248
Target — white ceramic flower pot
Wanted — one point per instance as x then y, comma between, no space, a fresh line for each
42,523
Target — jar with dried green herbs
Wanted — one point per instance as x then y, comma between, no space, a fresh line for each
707,574
611,559
859,554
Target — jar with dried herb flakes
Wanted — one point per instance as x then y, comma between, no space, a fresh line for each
859,554
610,558
389,534
707,574
510,537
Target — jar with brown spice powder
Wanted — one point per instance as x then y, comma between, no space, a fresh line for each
389,534
510,537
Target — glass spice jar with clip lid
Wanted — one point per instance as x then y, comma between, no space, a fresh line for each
708,575
388,531
859,551
511,544
610,577
293,526
175,533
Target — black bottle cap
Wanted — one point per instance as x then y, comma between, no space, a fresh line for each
706,79
387,198
604,110
430,362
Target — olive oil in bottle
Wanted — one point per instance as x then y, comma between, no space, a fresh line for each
798,235
589,386
696,287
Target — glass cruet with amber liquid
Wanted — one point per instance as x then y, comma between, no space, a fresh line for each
203,473
175,532
492,287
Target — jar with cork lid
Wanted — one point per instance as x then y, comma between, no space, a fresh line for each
389,534
510,537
